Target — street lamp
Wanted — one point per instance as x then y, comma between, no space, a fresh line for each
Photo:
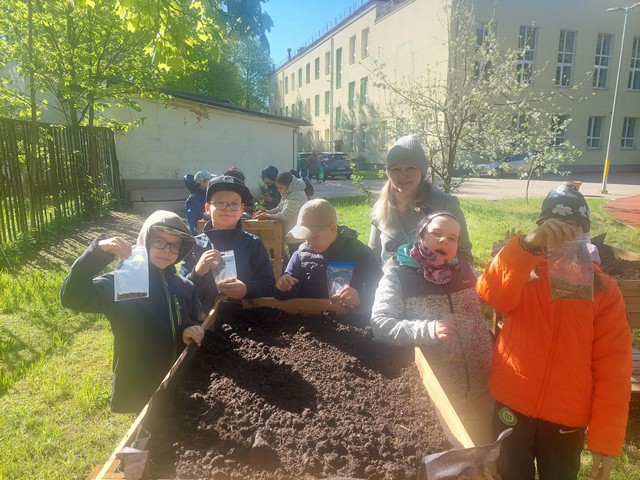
607,160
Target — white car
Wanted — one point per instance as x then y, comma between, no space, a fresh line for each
511,163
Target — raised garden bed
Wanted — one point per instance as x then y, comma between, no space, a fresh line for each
272,396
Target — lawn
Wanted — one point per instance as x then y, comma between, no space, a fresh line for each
55,365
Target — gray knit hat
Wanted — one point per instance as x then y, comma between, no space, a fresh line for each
407,151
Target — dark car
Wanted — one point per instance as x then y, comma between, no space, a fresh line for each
337,164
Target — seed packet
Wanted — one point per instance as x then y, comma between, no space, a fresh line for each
131,279
202,240
338,276
571,270
226,270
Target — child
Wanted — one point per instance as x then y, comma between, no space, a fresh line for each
560,367
270,196
293,197
426,298
226,197
194,205
148,333
306,273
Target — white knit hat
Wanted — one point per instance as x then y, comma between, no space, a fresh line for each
407,151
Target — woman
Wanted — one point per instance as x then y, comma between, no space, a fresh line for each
426,298
226,198
406,198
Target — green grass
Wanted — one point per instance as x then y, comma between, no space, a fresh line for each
55,365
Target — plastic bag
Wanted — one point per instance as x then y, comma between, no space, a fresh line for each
571,270
338,277
226,270
131,280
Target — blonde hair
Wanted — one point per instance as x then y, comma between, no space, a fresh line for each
382,208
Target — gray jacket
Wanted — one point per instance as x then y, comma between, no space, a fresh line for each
290,204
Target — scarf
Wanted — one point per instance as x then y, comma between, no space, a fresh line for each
425,258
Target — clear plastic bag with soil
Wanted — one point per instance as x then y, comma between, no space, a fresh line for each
270,395
226,270
131,279
571,270
339,276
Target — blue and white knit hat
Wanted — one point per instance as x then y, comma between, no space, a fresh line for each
567,203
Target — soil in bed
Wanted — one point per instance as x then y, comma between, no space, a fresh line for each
275,396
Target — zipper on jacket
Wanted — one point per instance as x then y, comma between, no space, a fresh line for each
178,312
461,346
171,318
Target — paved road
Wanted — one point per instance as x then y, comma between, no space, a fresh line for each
618,185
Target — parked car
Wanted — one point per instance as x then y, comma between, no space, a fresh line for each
337,164
512,163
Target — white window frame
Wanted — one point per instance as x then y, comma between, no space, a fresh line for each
566,54
327,101
603,57
351,95
364,43
327,63
629,133
352,50
594,132
363,138
316,105
634,68
308,73
527,48
300,77
317,68
363,90
339,68
338,118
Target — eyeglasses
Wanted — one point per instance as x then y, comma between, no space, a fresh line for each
161,244
220,205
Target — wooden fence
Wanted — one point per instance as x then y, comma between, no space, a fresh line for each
55,180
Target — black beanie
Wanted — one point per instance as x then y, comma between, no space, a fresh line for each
270,172
567,203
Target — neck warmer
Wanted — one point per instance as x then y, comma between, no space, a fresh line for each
425,258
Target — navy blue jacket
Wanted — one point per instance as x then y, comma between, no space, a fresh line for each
253,263
147,332
310,269
194,205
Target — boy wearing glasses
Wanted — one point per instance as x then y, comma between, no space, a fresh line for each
226,200
148,333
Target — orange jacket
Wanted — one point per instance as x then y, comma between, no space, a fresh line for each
564,361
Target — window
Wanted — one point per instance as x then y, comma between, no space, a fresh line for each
293,81
559,128
286,110
363,138
352,50
317,105
629,133
338,118
634,69
483,65
363,91
352,94
307,108
527,49
327,63
594,131
327,137
352,139
566,48
299,77
519,123
601,69
300,110
382,135
339,68
317,69
364,43
293,109
308,73
286,84
327,102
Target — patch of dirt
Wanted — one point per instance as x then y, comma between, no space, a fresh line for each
275,396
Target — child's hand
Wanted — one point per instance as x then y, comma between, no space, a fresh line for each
235,290
261,216
552,232
116,246
349,297
445,329
286,282
208,260
195,333
601,466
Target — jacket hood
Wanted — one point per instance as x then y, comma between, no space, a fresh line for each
296,184
347,232
191,184
170,223
404,258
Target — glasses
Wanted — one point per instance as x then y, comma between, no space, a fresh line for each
220,205
161,244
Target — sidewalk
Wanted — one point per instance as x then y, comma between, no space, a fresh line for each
626,210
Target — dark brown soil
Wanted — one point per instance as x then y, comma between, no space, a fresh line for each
275,396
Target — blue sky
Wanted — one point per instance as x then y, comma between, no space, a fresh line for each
296,21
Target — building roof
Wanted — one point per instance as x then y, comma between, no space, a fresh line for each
226,105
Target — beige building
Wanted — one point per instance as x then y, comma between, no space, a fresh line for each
330,81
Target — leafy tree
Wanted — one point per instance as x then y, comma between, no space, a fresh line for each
483,108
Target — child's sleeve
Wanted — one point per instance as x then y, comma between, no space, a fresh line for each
375,244
294,268
262,281
80,290
387,316
367,275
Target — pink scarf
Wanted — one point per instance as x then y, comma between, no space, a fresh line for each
438,274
